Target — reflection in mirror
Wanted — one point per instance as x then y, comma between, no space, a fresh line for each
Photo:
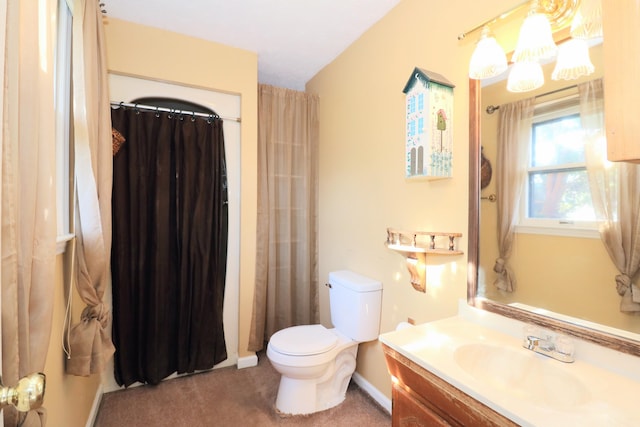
564,278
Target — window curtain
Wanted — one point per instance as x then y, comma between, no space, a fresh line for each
514,134
286,291
28,237
169,255
615,191
90,339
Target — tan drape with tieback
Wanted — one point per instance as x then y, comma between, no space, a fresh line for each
514,130
615,192
90,339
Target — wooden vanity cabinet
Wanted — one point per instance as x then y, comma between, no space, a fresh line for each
621,49
421,398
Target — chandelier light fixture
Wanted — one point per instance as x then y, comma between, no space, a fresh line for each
536,39
525,76
488,59
573,60
587,23
536,43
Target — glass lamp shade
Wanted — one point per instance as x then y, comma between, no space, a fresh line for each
525,76
573,60
488,59
587,22
535,41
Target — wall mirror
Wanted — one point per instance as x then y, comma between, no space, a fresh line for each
552,268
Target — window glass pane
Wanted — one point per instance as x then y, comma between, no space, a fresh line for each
560,195
558,141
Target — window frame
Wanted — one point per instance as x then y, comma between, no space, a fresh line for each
566,106
63,133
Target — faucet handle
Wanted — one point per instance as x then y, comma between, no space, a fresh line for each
565,345
531,342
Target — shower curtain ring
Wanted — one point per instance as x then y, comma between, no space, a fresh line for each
157,111
135,107
193,116
210,118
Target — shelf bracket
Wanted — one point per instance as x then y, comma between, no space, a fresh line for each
415,245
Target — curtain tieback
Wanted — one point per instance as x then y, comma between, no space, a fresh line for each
499,266
623,283
97,312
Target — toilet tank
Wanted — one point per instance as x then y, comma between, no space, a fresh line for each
356,303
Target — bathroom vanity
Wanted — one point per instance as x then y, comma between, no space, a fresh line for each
421,398
472,370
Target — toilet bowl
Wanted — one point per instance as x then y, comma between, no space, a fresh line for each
316,377
316,363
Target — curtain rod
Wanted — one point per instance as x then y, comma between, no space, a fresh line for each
492,108
503,15
172,110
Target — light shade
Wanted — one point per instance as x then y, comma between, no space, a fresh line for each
535,41
525,76
488,59
587,22
573,60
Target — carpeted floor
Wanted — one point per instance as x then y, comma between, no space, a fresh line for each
228,397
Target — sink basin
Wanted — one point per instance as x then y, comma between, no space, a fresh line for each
522,374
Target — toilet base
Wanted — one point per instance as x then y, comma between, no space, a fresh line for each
306,396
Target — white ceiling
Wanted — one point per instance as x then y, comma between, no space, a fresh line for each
294,39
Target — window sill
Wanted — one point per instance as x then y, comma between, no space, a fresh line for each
585,233
61,243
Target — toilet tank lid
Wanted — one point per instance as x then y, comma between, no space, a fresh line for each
354,281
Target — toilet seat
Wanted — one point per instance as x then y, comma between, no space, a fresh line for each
303,340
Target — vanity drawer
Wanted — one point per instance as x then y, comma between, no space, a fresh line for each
441,398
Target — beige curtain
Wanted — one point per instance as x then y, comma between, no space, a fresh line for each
286,291
90,339
514,134
28,194
615,191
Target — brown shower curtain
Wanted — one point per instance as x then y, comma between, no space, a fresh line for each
169,245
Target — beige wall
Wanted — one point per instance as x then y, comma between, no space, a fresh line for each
156,54
362,185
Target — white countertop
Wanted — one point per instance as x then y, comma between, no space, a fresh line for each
604,397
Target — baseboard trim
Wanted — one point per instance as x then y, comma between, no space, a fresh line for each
247,361
95,407
375,394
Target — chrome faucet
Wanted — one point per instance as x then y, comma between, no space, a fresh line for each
560,349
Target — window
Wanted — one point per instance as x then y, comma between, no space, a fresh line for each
64,175
556,198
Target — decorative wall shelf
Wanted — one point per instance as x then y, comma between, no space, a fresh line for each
415,245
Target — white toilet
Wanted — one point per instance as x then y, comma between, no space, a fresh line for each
316,363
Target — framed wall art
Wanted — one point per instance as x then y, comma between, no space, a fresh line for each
429,125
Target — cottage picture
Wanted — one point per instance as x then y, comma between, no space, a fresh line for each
429,135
